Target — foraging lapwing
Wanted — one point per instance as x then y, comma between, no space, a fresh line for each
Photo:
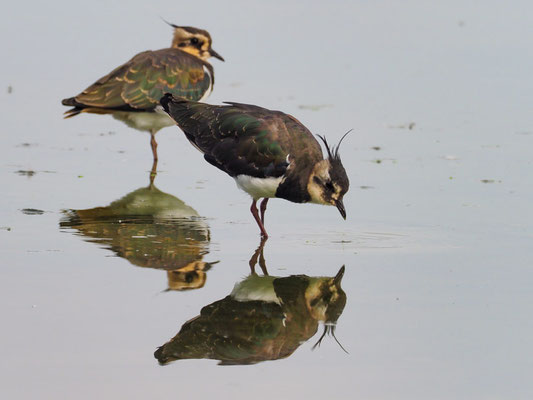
268,153
263,318
131,92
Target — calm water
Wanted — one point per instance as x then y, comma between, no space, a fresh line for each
437,245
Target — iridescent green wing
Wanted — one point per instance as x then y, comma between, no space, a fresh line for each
231,331
142,81
238,139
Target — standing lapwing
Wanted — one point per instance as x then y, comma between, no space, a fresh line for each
132,91
268,153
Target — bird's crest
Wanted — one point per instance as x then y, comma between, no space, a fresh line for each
334,311
329,329
333,152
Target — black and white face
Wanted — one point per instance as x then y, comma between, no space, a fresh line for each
327,184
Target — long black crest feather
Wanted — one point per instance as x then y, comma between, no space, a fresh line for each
333,152
169,23
190,29
328,330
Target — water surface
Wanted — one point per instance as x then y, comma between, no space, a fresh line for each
436,248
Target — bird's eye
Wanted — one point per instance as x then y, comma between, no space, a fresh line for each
329,186
194,40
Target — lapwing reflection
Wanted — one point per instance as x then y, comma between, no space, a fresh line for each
150,229
263,318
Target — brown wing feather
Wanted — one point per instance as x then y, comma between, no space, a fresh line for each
138,84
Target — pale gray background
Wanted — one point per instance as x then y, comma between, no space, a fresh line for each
439,264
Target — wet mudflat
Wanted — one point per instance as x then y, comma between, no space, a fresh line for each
100,267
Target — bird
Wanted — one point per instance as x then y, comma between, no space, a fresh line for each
131,92
263,318
150,229
270,154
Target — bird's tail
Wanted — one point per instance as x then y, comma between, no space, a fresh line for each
176,102
181,110
73,111
69,102
78,108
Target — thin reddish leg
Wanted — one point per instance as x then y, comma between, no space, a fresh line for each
263,208
253,209
153,173
258,255
153,143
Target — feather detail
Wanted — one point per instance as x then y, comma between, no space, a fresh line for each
139,84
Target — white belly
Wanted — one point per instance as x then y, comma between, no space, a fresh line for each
258,187
144,121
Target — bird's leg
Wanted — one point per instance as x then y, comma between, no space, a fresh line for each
153,143
253,209
153,173
263,208
258,254
262,262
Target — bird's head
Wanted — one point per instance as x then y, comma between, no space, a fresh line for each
325,297
326,300
192,276
328,182
194,41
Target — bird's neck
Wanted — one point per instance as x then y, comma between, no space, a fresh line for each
294,185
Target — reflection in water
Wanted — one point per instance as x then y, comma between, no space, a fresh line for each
151,229
264,318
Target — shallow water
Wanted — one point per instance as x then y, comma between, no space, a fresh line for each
100,268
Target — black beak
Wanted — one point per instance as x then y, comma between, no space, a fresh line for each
216,55
340,207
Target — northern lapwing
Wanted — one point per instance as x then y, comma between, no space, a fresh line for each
263,318
150,229
268,153
131,92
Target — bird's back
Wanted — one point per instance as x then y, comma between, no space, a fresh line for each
138,84
243,139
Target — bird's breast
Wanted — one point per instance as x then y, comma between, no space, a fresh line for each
144,121
210,88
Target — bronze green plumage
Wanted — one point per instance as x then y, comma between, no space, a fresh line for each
264,318
150,229
141,82
132,91
270,154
